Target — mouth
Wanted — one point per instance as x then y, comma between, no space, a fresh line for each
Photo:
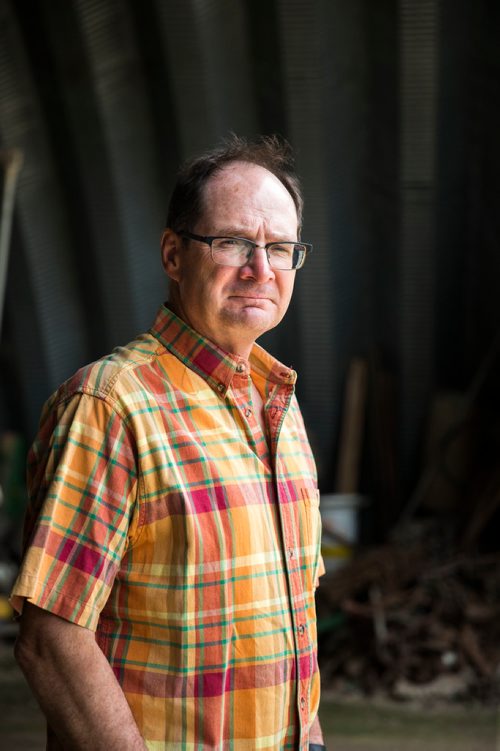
250,299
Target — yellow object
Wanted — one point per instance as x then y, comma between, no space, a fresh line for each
6,612
336,551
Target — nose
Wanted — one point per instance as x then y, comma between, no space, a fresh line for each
257,267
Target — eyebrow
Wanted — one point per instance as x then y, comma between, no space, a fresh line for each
237,231
241,232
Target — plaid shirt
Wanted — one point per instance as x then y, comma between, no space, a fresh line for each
161,518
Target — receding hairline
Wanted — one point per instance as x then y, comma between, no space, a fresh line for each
273,153
246,164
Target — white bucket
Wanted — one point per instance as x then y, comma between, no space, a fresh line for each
339,516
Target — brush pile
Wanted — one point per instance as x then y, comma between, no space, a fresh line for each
412,620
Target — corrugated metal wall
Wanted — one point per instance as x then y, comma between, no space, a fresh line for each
105,97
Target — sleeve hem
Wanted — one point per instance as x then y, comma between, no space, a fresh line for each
69,608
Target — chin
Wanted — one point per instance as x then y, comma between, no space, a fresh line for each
254,320
257,316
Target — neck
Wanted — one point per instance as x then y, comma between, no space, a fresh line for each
238,348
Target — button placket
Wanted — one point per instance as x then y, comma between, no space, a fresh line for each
303,684
300,627
277,410
246,402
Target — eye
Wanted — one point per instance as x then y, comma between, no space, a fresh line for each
228,242
283,250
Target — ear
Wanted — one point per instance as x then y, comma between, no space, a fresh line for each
170,253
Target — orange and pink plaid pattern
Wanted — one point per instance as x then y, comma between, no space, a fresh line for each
161,518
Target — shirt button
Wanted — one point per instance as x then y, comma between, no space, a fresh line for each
240,368
220,387
248,412
302,702
302,629
290,552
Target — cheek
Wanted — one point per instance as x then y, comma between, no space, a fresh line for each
207,288
286,289
220,281
198,281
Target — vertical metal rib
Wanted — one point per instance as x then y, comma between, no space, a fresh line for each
210,78
43,227
418,90
130,144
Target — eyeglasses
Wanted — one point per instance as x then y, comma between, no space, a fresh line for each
237,251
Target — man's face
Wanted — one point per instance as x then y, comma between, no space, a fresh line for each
234,306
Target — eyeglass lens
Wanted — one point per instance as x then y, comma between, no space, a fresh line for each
231,251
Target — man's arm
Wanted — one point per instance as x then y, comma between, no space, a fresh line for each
74,684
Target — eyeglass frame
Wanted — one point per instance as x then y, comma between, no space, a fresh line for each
208,240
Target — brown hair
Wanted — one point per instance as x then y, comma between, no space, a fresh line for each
271,152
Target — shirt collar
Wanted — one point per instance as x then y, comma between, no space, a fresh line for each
211,362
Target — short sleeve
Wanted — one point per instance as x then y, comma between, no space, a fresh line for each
82,486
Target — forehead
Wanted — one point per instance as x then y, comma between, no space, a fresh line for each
248,195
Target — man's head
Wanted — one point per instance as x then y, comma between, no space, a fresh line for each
240,190
270,152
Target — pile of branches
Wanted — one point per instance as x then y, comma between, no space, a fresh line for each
408,622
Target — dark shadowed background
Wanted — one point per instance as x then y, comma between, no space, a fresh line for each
393,110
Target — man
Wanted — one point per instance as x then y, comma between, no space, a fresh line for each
168,585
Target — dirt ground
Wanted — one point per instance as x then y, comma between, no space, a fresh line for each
348,726
386,726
